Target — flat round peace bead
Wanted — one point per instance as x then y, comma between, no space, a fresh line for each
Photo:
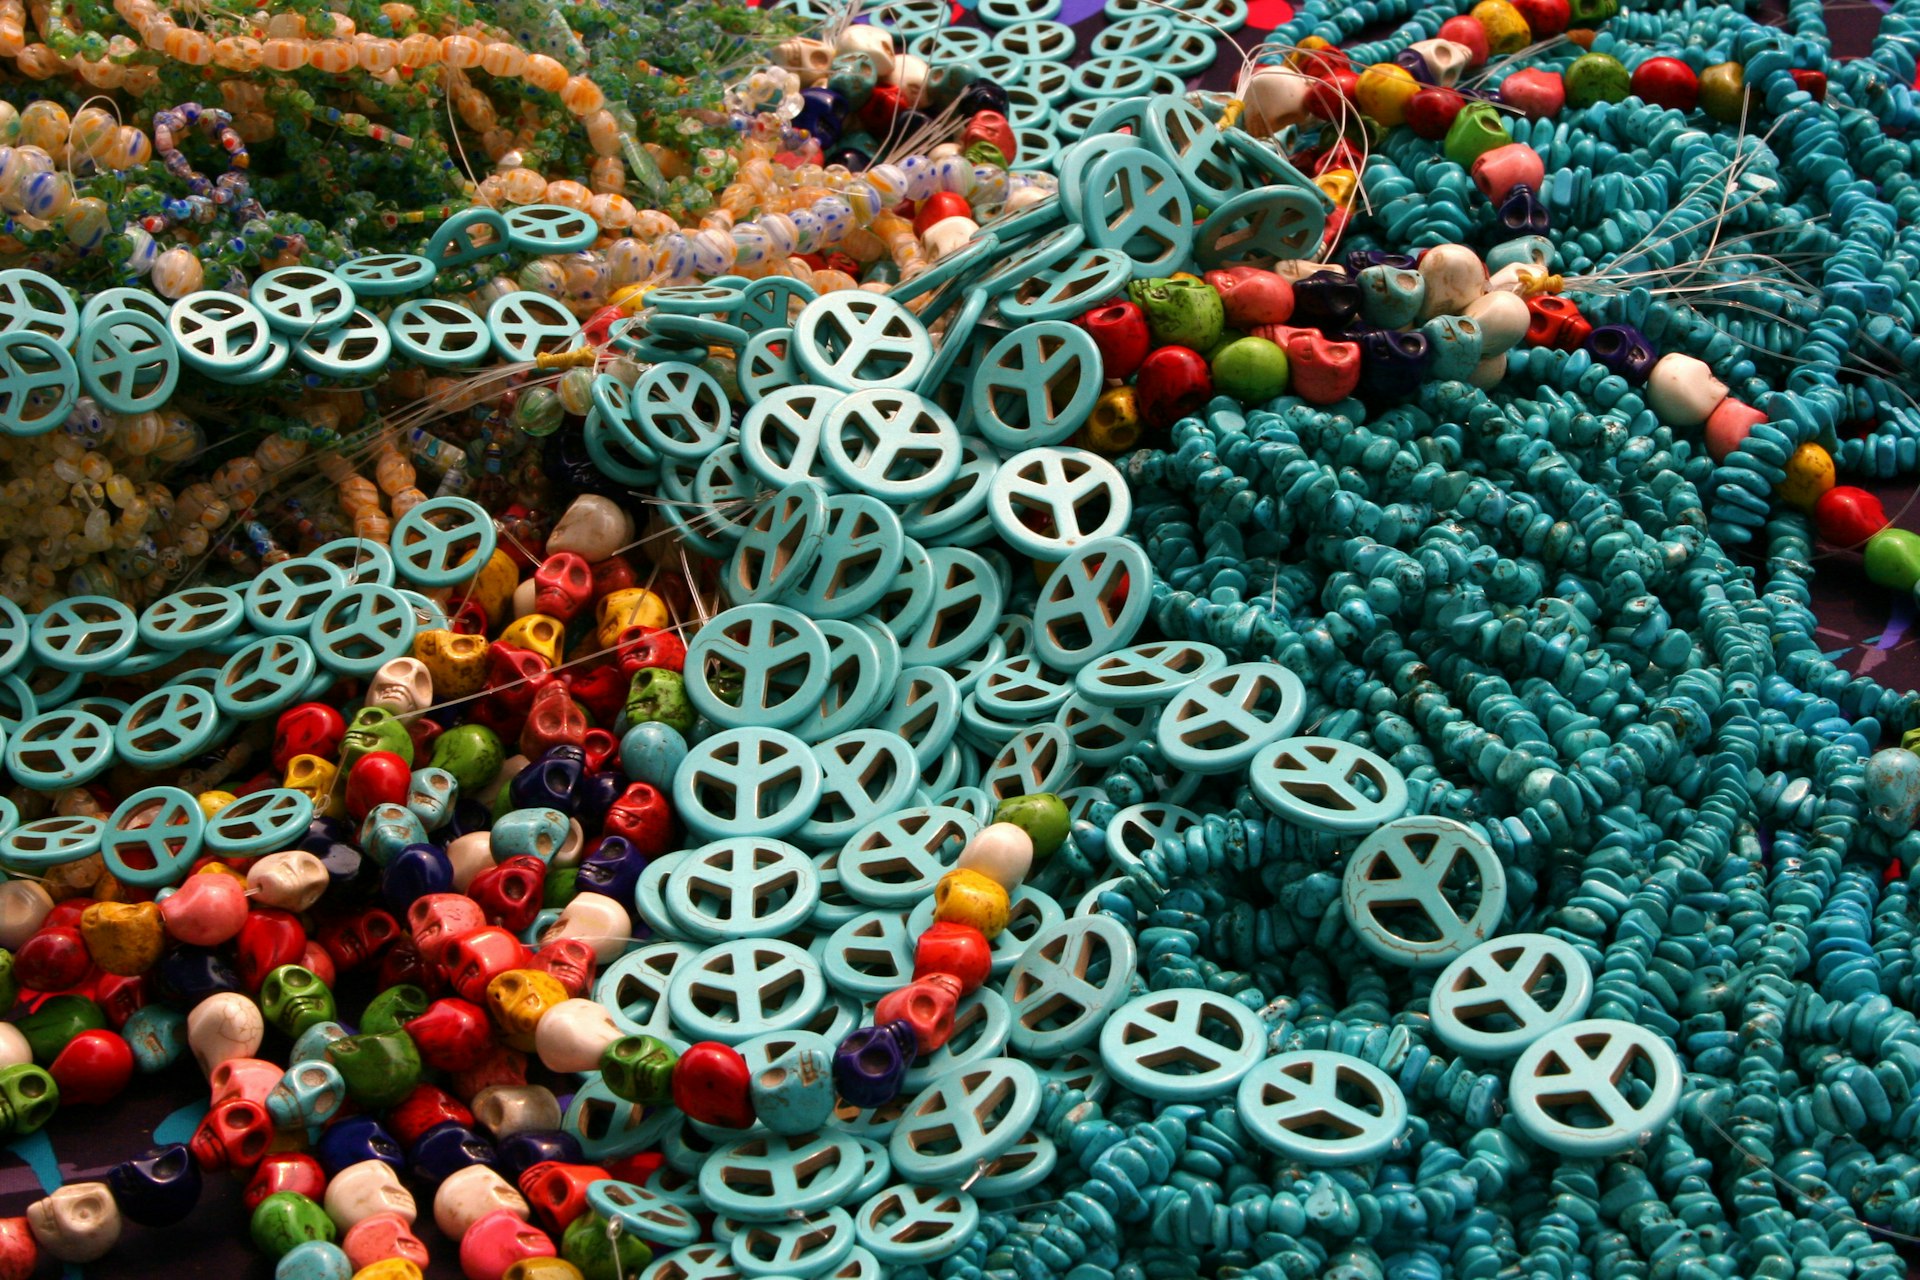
34,303
770,303
907,18
361,629
1261,227
869,955
746,887
1035,39
1222,16
896,445
14,632
633,989
127,361
981,1023
191,618
1037,760
965,1119
757,665
967,598
169,726
1071,975
285,598
468,236
1047,501
550,228
780,433
754,781
907,1224
442,542
1596,1087
387,275
898,858
1137,204
259,823
764,1178
1495,1000
779,544
643,1212
859,557
83,633
39,384
1122,76
1062,291
527,324
153,837
64,747
766,364
1005,13
745,988
1146,675
51,842
1327,785
863,773
1181,1045
266,676
1422,889
806,1245
858,341
219,333
1094,601
1036,385
855,671
1220,721
1020,689
1182,133
681,410
1322,1108
925,710
301,300
962,500
439,333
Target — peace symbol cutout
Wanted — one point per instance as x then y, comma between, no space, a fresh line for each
964,609
925,711
468,236
810,1244
642,1213
439,333
128,361
550,228
857,681
218,333
361,629
1326,785
780,543
870,955
981,1022
34,303
1036,39
1035,761
302,300
1421,890
358,560
266,676
1100,736
1094,601
1597,1087
443,542
762,1178
284,599
1258,228
386,275
1048,501
1140,207
855,340
756,781
897,445
154,836
1322,1108
962,499
51,842
897,858
780,434
1036,385
1148,674
1179,131
1504,994
83,633
39,383
766,364
527,324
1019,689
260,822
965,1119
859,556
1064,984
169,726
771,303
1182,1045
744,888
634,988
65,747
916,1224
863,773
681,410
760,665
1221,721
1028,1162
745,988
1064,291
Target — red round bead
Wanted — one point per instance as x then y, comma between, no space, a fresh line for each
1846,516
54,959
94,1067
1174,383
1666,82
938,207
309,729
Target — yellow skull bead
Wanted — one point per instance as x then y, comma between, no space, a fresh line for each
457,662
1339,186
212,802
313,777
1507,31
1384,90
629,607
972,898
123,937
1114,425
1810,473
492,587
518,999
539,634
390,1269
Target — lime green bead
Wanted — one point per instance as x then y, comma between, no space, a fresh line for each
1042,816
1252,370
379,1069
286,1220
1596,77
1893,558
52,1026
393,1009
599,1256
1476,130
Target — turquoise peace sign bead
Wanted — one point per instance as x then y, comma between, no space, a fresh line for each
128,361
442,542
123,299
153,837
1030,912
1182,1045
649,891
757,665
1048,79
633,989
361,629
965,1119
387,275
608,1126
169,726
1039,148
909,600
271,365
302,300
14,630
1094,602
1181,132
767,1177
1101,736
916,1224
1504,994
1261,227
39,383
1036,385
1146,675
1136,37
896,445
1064,984
745,988
1220,722
1121,76
757,781
1028,1162
1074,496
51,842
925,710
1574,1090
681,410
856,676
192,618
218,333
527,324
863,773
64,747
905,18
1049,250
809,1245
260,822
1026,108
766,364
1221,16
1292,1102
730,493
855,341
34,303
1005,13
83,633
1326,785
1065,290
967,598
284,600
1035,39
550,228
747,887
1409,871
859,555
769,303
1035,761
869,955
1019,689
614,444
643,1213
697,1261
1137,205
439,333
962,499
780,434
359,560
266,676
468,236
779,544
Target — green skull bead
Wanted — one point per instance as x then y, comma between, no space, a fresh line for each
394,1008
28,1099
1588,13
286,1220
294,999
600,1256
1476,130
1043,816
379,1068
1185,313
659,694
375,729
52,1026
1596,77
472,753
639,1069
